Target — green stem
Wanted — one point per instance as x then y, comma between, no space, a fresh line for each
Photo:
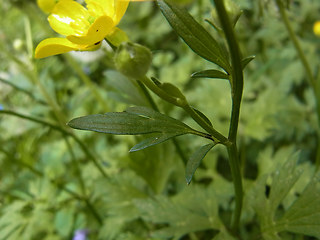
64,131
156,108
148,96
296,44
218,137
312,81
237,89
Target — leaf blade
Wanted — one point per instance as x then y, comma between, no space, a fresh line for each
210,73
149,142
195,160
137,120
194,34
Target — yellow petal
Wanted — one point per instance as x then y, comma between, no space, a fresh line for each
120,9
98,8
69,18
54,46
101,27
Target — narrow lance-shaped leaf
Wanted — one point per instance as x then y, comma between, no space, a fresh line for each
153,141
197,38
195,160
204,117
210,73
138,120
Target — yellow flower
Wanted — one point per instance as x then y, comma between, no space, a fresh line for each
316,28
84,28
46,5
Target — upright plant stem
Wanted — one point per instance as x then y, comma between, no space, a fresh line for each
218,137
156,108
237,79
312,81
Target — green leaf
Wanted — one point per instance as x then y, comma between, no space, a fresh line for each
136,120
304,214
195,36
153,141
195,160
63,222
246,61
193,209
211,73
204,117
172,90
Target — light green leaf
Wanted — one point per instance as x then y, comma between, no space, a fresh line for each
195,160
210,73
63,222
197,38
304,214
302,217
136,120
194,209
153,141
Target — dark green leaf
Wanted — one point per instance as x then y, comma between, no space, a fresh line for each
195,160
246,61
197,38
211,73
136,120
153,141
204,117
172,90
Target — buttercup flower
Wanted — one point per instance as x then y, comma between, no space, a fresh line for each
84,28
316,28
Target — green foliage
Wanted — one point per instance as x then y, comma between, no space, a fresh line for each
195,160
198,39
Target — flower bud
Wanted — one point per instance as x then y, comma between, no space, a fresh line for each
133,60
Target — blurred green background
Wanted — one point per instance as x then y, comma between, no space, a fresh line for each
48,185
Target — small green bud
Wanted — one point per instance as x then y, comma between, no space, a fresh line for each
133,60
